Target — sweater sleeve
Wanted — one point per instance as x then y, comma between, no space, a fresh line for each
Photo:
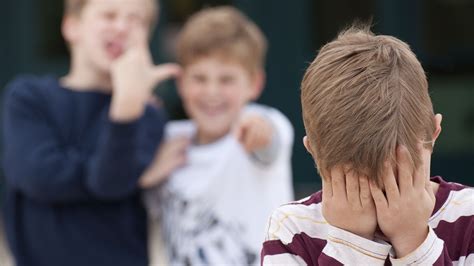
42,168
112,172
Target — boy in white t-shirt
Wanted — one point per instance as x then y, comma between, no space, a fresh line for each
230,165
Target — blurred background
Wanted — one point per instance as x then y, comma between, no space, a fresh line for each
441,33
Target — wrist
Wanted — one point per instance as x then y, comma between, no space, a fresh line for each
407,243
124,108
366,235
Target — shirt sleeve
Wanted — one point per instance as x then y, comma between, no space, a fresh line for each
348,248
42,168
431,252
286,245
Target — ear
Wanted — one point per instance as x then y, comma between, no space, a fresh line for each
438,119
306,144
69,28
258,83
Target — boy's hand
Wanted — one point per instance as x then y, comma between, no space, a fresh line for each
170,156
403,213
347,203
133,78
253,132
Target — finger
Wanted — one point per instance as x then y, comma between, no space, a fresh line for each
261,137
266,134
181,142
352,188
146,180
365,196
380,201
238,131
138,39
165,71
174,146
404,168
246,133
338,183
390,184
250,141
151,178
178,161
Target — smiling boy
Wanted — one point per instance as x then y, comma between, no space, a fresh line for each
229,165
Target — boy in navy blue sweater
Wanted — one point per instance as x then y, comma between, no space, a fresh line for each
76,146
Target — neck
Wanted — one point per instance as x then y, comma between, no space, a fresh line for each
84,78
202,138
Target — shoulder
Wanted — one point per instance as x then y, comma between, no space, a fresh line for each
302,217
28,82
178,128
454,206
29,89
448,191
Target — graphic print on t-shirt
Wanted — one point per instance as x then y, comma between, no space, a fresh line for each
198,236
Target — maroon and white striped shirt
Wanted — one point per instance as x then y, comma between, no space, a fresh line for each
299,235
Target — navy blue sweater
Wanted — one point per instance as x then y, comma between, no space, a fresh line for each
71,176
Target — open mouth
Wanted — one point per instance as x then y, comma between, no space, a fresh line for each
114,49
213,110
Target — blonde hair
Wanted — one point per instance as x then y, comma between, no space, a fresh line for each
361,97
75,7
225,32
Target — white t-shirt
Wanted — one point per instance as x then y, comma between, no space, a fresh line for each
215,209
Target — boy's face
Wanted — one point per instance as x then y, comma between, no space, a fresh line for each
214,91
102,31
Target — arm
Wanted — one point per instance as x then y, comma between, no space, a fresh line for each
286,244
34,160
169,156
432,251
413,200
350,212
342,248
43,168
112,172
116,167
344,237
264,132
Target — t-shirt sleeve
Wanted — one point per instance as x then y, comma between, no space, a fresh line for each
282,137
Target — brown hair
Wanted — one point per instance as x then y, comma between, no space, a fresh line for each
222,31
361,97
75,7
